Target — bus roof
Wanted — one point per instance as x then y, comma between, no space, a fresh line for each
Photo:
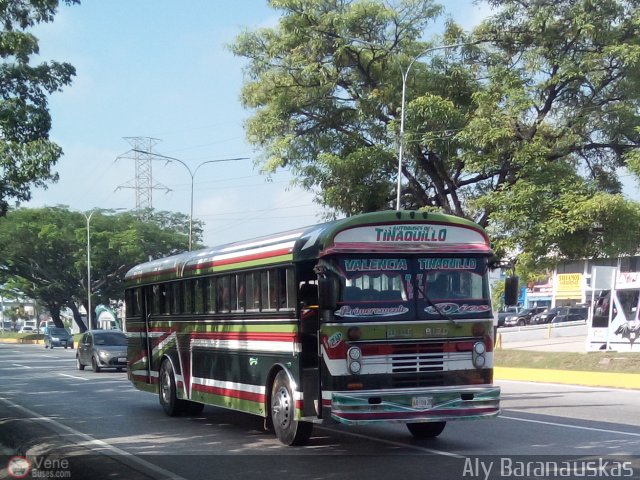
379,232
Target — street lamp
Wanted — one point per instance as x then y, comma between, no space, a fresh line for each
193,175
88,218
405,75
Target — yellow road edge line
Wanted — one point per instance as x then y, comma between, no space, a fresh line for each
20,340
589,379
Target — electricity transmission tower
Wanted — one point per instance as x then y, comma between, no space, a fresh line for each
143,184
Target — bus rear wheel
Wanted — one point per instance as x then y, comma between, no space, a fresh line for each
171,405
426,430
283,413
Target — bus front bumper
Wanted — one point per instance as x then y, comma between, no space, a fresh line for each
436,404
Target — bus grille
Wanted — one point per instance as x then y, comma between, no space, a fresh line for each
417,357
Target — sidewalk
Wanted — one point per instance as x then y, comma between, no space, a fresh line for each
572,344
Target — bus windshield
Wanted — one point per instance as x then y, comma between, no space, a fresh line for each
410,288
454,287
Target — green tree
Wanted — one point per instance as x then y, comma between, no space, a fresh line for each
523,128
45,255
38,254
26,152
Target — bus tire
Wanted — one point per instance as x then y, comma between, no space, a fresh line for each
426,430
171,405
283,413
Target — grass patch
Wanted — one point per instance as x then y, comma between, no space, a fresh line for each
587,362
25,336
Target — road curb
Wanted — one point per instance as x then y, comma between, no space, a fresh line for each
23,341
588,379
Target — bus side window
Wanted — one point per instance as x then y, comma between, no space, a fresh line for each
252,284
223,297
286,289
269,292
175,297
187,289
198,295
238,294
133,305
156,305
210,294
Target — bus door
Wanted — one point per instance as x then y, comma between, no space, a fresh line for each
309,339
137,329
146,315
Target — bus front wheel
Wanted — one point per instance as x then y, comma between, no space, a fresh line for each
168,398
283,413
426,430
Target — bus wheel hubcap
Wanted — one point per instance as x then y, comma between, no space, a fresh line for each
281,407
166,387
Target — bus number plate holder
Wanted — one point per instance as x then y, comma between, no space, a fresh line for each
422,403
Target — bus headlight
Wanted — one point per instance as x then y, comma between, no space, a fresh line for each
354,354
479,348
355,366
477,355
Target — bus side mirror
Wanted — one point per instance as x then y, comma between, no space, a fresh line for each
511,290
327,299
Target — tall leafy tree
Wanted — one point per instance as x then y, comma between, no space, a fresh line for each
45,252
523,126
27,155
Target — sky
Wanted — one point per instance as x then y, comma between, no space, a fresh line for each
162,69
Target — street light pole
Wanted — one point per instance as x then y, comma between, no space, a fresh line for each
193,176
405,75
88,218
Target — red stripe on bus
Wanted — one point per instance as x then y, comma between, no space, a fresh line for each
229,392
411,415
241,258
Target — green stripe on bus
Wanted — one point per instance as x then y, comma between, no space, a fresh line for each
180,327
247,406
261,262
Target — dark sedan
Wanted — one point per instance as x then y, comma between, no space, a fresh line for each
102,349
547,316
523,317
58,337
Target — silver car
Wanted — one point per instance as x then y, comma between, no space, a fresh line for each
102,349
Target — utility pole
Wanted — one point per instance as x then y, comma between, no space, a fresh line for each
143,184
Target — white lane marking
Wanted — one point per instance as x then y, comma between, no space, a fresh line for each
565,425
390,442
128,457
21,366
73,376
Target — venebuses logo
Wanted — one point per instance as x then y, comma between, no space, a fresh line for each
18,467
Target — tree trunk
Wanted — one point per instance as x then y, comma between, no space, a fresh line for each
54,310
77,317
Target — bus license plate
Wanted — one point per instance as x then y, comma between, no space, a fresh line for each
422,402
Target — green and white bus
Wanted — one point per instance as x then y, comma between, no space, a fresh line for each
380,317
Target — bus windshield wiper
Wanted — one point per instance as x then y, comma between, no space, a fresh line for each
436,308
